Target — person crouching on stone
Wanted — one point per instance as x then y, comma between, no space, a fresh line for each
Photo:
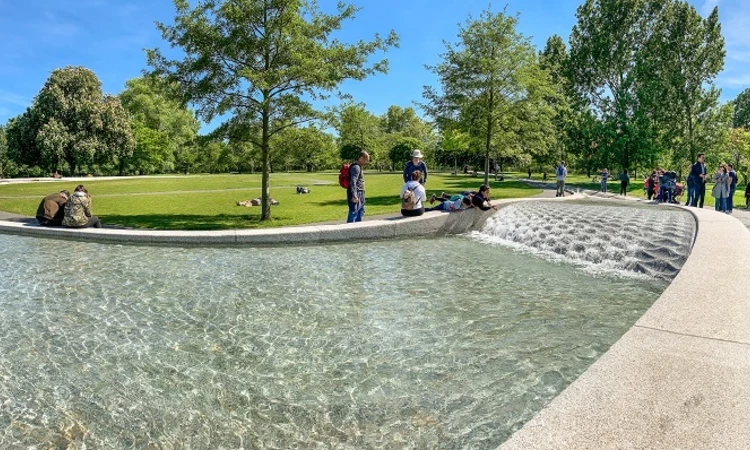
413,196
78,210
52,209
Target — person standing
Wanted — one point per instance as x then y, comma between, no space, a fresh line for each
732,188
415,164
78,210
698,174
604,174
355,195
624,181
51,210
721,189
561,173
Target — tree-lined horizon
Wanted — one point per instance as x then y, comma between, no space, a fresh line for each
632,88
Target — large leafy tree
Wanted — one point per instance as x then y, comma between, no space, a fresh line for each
259,62
738,145
493,87
741,117
308,148
681,61
606,45
359,128
554,59
75,126
162,127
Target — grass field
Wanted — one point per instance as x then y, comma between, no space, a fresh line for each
208,202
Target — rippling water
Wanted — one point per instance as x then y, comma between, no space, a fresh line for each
445,343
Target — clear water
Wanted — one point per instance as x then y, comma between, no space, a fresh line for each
447,343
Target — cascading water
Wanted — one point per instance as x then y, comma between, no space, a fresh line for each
627,240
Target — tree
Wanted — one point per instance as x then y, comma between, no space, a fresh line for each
607,46
738,144
453,145
400,153
3,151
358,127
162,127
682,59
308,148
554,59
76,126
259,61
741,117
493,87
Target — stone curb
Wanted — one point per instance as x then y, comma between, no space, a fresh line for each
680,377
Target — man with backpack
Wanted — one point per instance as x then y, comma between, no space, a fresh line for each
561,174
352,179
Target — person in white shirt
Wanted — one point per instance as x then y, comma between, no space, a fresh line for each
413,196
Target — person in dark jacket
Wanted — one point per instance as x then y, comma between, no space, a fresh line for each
355,195
481,199
51,210
415,164
732,188
698,174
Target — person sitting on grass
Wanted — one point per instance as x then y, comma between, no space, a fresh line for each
413,196
78,210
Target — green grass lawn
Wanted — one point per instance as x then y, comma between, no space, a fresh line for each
208,202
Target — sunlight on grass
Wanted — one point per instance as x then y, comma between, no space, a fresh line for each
208,202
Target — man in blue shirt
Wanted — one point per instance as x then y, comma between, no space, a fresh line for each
698,176
415,164
355,195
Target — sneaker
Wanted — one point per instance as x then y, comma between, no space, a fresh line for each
432,199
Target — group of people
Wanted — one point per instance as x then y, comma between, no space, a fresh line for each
662,186
725,185
64,209
413,194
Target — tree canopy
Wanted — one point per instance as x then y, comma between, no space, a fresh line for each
259,62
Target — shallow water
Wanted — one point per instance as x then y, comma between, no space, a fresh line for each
447,343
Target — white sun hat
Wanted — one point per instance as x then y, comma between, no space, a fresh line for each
416,154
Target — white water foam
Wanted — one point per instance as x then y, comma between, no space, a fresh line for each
638,242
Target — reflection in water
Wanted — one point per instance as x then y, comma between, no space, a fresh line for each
444,343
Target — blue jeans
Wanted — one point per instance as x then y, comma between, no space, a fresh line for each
356,210
721,204
730,199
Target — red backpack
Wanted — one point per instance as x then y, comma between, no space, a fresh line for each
344,179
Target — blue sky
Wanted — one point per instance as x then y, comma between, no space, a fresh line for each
108,37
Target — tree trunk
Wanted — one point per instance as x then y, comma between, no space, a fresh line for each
265,196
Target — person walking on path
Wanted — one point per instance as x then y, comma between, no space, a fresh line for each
624,181
355,195
732,188
561,174
698,174
721,189
78,210
51,210
415,164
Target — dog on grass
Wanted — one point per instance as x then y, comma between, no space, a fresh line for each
302,190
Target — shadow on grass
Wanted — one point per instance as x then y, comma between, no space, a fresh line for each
186,221
378,200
